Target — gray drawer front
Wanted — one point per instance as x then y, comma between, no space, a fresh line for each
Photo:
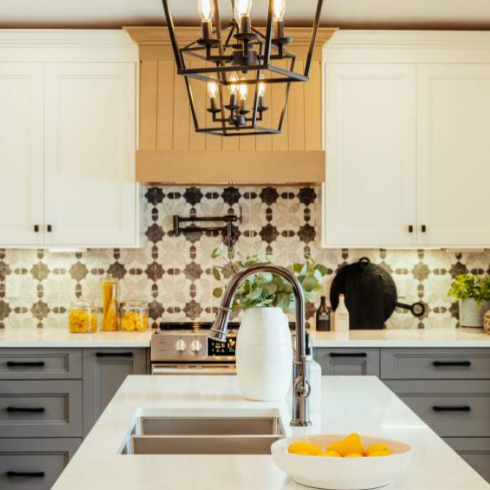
40,364
475,451
451,408
42,459
348,362
40,409
435,363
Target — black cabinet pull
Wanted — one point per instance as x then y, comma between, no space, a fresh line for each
451,363
36,228
28,474
12,364
25,410
410,229
462,408
49,228
424,228
348,354
114,354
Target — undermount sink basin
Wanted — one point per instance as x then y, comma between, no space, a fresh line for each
209,426
203,435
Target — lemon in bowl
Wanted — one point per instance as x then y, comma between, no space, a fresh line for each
337,462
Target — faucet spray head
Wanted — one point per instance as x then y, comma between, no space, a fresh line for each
220,326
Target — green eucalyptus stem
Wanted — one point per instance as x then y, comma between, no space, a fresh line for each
265,289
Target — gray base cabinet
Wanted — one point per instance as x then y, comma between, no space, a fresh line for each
49,400
448,388
34,464
475,451
104,371
348,362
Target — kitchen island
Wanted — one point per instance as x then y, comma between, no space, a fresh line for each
349,404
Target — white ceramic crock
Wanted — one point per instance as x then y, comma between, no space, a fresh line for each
471,313
264,354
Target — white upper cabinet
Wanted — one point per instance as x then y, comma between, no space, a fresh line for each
90,133
370,143
68,139
454,155
21,154
407,141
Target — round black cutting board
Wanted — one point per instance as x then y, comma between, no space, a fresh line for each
370,295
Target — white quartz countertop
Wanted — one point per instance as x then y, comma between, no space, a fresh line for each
401,338
61,338
361,404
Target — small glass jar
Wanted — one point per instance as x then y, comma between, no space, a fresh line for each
110,305
82,317
134,316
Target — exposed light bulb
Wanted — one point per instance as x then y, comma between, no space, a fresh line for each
243,7
233,79
279,9
261,87
243,91
206,10
212,89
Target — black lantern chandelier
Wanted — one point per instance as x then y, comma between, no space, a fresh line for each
239,65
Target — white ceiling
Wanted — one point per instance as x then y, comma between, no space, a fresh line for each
474,14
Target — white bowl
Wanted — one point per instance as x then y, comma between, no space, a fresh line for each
342,473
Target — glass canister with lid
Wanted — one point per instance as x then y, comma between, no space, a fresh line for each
82,317
134,316
110,304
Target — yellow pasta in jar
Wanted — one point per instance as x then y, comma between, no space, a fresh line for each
82,321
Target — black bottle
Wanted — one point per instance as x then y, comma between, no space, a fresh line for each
323,316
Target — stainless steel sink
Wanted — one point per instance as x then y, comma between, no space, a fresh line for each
203,435
209,426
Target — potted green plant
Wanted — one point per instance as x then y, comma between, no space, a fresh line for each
264,351
473,294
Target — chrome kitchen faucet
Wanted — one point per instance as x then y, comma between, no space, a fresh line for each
301,371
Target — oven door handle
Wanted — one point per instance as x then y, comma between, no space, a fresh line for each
205,371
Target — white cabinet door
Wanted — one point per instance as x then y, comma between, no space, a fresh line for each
454,155
90,135
21,154
371,155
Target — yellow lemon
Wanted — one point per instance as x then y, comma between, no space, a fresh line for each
339,447
305,447
377,447
376,454
330,454
353,444
354,455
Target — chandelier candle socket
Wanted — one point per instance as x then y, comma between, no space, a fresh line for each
228,47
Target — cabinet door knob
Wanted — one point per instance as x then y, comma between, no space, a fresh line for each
424,228
410,228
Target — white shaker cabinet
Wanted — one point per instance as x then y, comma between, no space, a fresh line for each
90,137
68,137
407,118
453,181
371,133
21,154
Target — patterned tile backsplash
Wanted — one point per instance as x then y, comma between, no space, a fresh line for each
174,274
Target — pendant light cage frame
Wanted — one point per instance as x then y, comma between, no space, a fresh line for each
228,50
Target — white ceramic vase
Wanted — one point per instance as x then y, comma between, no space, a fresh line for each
264,354
471,313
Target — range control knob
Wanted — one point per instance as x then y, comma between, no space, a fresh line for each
180,345
196,346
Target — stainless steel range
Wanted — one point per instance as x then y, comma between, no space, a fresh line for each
184,348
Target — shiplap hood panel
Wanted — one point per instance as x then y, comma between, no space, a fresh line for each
171,152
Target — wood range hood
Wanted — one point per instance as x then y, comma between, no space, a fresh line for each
171,152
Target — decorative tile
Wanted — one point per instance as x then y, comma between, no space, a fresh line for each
174,274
